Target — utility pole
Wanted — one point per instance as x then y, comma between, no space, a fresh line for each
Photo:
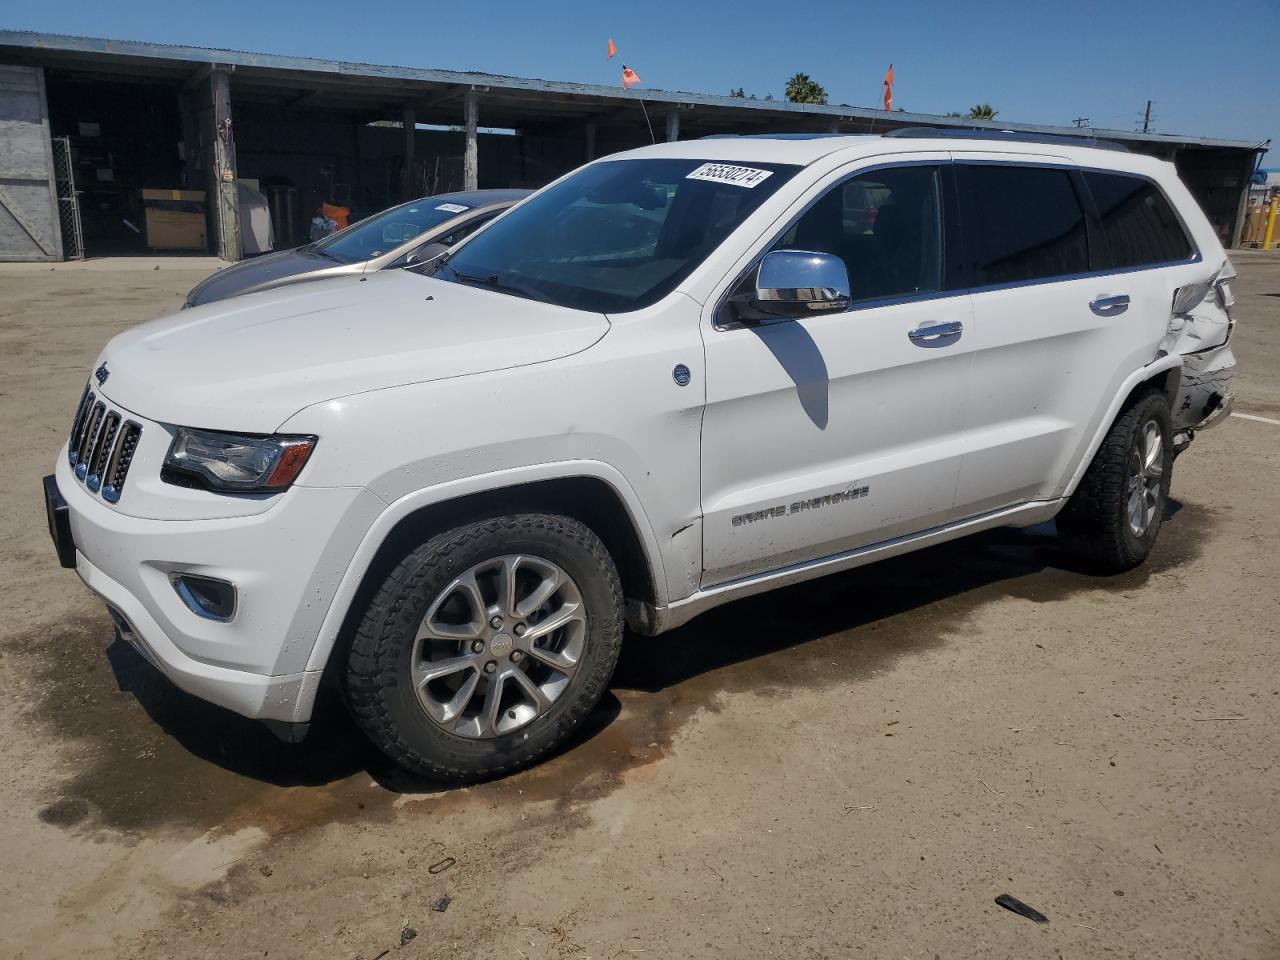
1081,121
1146,119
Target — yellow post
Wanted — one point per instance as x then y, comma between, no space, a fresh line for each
1271,223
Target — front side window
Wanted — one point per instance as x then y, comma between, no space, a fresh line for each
1140,227
1021,223
886,225
617,235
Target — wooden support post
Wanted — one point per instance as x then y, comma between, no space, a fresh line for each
223,193
673,126
591,141
471,154
409,126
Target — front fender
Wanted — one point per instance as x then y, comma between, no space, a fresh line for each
459,489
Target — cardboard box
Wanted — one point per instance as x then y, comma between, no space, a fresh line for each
190,196
175,230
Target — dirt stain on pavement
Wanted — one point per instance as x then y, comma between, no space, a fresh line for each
144,754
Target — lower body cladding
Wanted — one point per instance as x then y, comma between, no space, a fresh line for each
229,610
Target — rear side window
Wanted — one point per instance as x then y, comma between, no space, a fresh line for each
1021,223
1139,225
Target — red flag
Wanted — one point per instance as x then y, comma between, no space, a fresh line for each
629,78
610,49
888,89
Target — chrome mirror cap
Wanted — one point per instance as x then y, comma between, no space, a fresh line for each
797,283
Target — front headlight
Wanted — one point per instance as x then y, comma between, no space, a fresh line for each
235,462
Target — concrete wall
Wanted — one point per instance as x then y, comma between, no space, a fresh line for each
29,228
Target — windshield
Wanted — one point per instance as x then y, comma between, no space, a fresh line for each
617,235
385,231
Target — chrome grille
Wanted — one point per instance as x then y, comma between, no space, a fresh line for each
101,446
118,467
102,450
91,424
86,403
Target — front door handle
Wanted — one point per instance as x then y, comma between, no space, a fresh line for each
1110,306
933,334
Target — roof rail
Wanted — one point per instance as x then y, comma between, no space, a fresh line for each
1018,136
775,136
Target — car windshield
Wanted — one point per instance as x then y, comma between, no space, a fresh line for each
385,231
617,235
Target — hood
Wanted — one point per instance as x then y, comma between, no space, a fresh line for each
258,273
250,363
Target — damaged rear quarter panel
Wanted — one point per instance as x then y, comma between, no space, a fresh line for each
1200,331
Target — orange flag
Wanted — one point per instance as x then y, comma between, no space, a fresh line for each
610,50
888,89
629,78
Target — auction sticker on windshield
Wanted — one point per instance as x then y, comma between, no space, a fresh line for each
725,173
451,207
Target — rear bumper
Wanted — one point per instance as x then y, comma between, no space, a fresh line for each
1204,392
1218,413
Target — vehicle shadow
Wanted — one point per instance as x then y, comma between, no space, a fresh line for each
756,627
969,571
333,750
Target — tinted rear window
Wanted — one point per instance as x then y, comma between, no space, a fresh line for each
1021,223
1139,225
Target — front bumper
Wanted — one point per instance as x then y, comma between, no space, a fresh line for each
285,563
253,695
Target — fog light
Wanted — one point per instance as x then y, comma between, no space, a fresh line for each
206,597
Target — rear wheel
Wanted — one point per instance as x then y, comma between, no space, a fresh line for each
487,646
1113,518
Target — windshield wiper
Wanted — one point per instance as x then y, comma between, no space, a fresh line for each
495,282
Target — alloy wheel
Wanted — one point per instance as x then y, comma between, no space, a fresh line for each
1146,475
498,646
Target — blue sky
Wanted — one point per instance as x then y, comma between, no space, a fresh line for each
1206,65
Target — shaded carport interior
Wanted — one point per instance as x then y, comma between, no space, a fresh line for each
311,130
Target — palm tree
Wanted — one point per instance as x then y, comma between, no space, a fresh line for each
803,89
983,111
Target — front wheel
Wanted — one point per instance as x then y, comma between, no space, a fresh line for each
1113,518
487,646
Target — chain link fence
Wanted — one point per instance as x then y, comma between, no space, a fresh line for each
68,199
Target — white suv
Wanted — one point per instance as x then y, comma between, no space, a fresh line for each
674,377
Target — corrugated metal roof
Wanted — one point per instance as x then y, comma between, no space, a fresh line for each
93,47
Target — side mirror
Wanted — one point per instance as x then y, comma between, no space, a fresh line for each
799,283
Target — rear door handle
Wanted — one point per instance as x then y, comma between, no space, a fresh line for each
1110,306
932,334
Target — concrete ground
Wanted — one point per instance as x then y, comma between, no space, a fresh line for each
855,767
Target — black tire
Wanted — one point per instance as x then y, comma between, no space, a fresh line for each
379,690
1094,525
